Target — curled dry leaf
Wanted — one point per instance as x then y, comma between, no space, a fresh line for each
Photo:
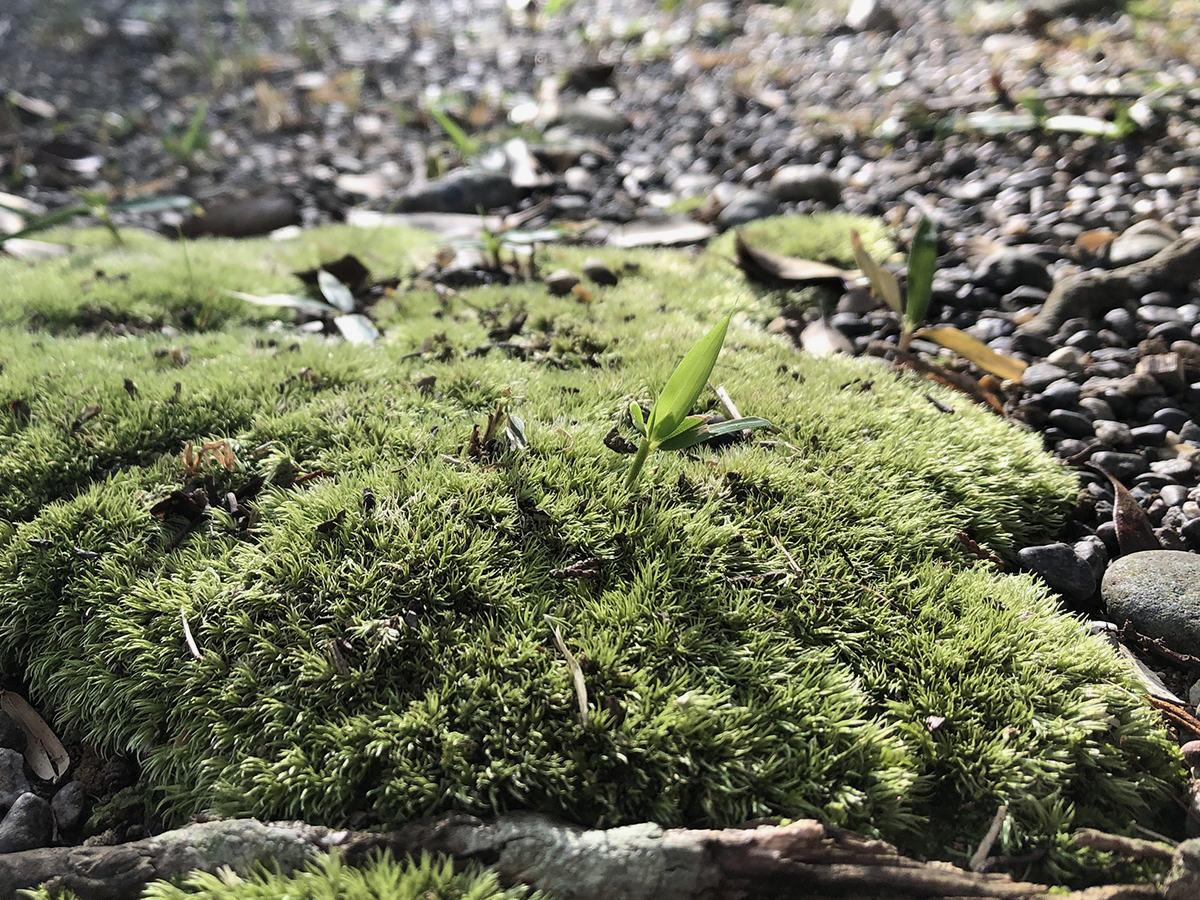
43,751
1134,531
576,676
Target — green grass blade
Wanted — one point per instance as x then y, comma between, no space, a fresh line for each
48,221
639,421
685,384
694,435
922,263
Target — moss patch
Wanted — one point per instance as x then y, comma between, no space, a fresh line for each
381,878
377,637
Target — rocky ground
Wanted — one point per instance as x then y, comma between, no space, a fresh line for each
1041,144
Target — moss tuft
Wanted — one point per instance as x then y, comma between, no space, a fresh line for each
397,659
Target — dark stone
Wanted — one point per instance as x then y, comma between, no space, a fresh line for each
1122,466
1040,376
1075,424
13,782
1122,322
746,207
1150,435
1062,569
1171,331
1024,342
1011,267
1107,532
67,805
27,826
1060,394
1171,417
1084,340
1190,432
464,191
11,735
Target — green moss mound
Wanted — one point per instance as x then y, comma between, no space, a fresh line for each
824,237
382,878
784,627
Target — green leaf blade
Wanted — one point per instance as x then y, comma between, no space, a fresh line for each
639,421
707,431
922,263
684,386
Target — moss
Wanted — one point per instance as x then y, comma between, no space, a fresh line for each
381,878
396,658
824,237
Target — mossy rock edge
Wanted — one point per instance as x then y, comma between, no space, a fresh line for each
396,659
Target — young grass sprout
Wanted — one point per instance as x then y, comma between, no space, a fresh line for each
922,264
669,426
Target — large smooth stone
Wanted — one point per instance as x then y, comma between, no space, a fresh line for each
1159,592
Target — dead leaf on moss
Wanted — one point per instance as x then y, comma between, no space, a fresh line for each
43,751
576,676
86,415
777,270
20,410
972,350
330,525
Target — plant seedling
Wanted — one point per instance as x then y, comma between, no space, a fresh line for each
922,264
669,426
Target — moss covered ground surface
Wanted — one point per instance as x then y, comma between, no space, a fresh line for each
786,627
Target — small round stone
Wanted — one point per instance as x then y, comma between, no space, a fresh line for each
1074,424
1114,434
1040,376
1159,592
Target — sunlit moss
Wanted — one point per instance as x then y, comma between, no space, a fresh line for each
767,630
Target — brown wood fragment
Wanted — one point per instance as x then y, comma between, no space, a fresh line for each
1091,294
636,862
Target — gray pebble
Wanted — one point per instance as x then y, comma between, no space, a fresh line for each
67,805
27,826
1174,494
1159,592
746,207
1139,384
1122,466
13,782
591,119
791,183
1114,434
871,15
1069,358
1093,552
1173,468
1121,321
1171,417
1040,376
1135,245
1062,569
1096,407
1157,315
1190,432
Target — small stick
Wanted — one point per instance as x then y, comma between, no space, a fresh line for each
187,636
979,859
795,566
576,676
731,409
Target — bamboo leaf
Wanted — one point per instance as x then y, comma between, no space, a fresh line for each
639,421
335,292
685,384
43,750
883,282
706,432
922,263
155,204
686,425
980,354
357,328
302,303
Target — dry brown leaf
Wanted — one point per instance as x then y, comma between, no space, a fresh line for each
775,269
43,750
974,351
576,676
